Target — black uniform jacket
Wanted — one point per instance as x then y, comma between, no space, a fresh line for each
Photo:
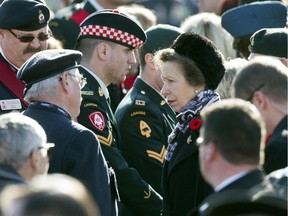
276,148
145,120
11,89
96,114
183,185
77,152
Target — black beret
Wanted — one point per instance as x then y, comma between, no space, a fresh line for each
247,19
46,64
271,42
23,15
160,36
204,53
113,26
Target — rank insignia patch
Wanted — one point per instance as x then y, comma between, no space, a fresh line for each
157,156
97,120
145,129
140,102
87,93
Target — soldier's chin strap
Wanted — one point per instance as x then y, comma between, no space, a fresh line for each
8,78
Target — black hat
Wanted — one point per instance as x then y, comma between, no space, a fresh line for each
113,26
204,53
23,15
160,36
47,63
247,19
271,42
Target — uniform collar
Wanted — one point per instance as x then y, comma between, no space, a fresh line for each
101,83
146,88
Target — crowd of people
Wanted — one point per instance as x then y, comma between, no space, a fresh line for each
137,108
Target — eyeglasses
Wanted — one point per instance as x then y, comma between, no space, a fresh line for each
255,90
29,39
80,79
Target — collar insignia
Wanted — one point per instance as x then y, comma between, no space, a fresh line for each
100,92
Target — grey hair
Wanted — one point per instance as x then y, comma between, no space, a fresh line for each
43,89
19,135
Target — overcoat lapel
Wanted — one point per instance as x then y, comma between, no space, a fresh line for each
187,146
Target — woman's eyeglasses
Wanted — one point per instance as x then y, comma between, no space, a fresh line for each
29,39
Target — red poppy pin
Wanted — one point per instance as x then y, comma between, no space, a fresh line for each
195,124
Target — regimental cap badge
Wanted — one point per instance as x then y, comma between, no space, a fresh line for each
41,17
100,92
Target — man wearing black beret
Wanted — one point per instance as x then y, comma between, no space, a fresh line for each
107,40
270,42
23,32
53,85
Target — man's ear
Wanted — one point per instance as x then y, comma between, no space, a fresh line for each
259,100
1,33
65,81
210,151
34,159
103,49
149,60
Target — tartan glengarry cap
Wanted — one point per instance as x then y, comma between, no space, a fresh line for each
24,15
46,64
113,26
270,41
249,18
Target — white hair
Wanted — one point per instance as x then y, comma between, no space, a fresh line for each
19,135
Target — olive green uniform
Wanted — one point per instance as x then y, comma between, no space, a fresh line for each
145,121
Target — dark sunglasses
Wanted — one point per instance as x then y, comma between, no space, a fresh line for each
29,39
